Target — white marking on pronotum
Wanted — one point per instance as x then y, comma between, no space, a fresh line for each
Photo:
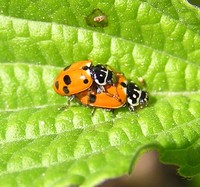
134,96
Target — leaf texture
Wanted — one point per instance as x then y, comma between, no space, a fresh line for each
44,144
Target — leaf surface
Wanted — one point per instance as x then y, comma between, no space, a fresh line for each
42,144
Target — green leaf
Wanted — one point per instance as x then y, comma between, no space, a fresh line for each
43,144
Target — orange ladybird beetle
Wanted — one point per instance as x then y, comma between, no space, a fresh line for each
73,79
113,97
79,77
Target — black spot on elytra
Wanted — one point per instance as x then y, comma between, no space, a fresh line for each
65,90
92,98
56,85
85,68
85,81
67,79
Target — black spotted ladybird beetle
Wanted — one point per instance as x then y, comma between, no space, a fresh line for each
80,76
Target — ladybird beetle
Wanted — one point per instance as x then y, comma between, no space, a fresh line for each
113,97
74,79
136,97
79,77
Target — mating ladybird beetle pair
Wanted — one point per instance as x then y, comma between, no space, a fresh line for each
99,86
